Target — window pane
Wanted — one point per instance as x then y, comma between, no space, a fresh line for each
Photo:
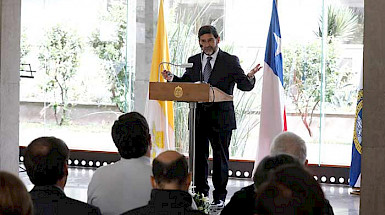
302,53
78,50
345,54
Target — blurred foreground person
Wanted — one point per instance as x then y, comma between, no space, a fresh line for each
290,189
14,197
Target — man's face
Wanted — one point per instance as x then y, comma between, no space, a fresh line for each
209,43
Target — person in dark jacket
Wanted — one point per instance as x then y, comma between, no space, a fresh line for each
46,164
170,181
214,121
245,198
284,144
290,189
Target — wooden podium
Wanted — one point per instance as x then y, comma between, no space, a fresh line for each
191,93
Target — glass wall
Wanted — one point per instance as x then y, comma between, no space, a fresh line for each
83,58
83,55
323,116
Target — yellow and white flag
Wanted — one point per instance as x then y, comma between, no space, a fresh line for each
160,114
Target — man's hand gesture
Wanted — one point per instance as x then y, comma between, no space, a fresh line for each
167,75
254,70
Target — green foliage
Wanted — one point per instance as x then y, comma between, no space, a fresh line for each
247,120
25,46
302,67
112,51
59,56
202,202
342,23
183,40
302,80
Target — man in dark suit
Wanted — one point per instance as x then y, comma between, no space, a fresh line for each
214,121
46,163
170,181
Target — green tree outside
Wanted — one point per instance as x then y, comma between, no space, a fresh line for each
59,56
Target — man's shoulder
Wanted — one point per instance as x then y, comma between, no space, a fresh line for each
145,210
55,201
132,168
227,55
79,205
140,210
194,57
246,193
123,165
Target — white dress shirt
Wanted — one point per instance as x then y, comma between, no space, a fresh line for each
212,61
122,186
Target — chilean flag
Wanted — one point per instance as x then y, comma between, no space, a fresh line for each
273,115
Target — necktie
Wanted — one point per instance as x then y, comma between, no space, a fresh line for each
207,70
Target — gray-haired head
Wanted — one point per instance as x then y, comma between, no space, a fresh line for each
289,143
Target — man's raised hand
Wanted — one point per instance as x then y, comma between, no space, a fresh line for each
254,70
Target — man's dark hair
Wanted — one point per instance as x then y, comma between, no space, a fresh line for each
176,171
131,135
44,160
207,29
270,163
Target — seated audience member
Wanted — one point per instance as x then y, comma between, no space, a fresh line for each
125,184
290,189
245,198
284,143
292,144
46,164
289,143
171,181
14,197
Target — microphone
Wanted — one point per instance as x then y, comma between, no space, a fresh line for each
186,65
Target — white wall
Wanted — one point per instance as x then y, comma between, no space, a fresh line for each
9,84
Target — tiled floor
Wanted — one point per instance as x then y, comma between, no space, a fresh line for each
343,203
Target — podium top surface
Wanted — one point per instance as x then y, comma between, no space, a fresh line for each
187,92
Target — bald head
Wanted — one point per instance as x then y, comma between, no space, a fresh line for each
170,167
289,143
168,156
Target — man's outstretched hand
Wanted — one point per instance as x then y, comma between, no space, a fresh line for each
254,70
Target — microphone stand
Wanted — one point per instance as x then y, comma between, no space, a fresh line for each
191,123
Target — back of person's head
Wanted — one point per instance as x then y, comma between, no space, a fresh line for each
14,197
171,167
207,29
290,189
269,163
289,143
46,160
131,135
